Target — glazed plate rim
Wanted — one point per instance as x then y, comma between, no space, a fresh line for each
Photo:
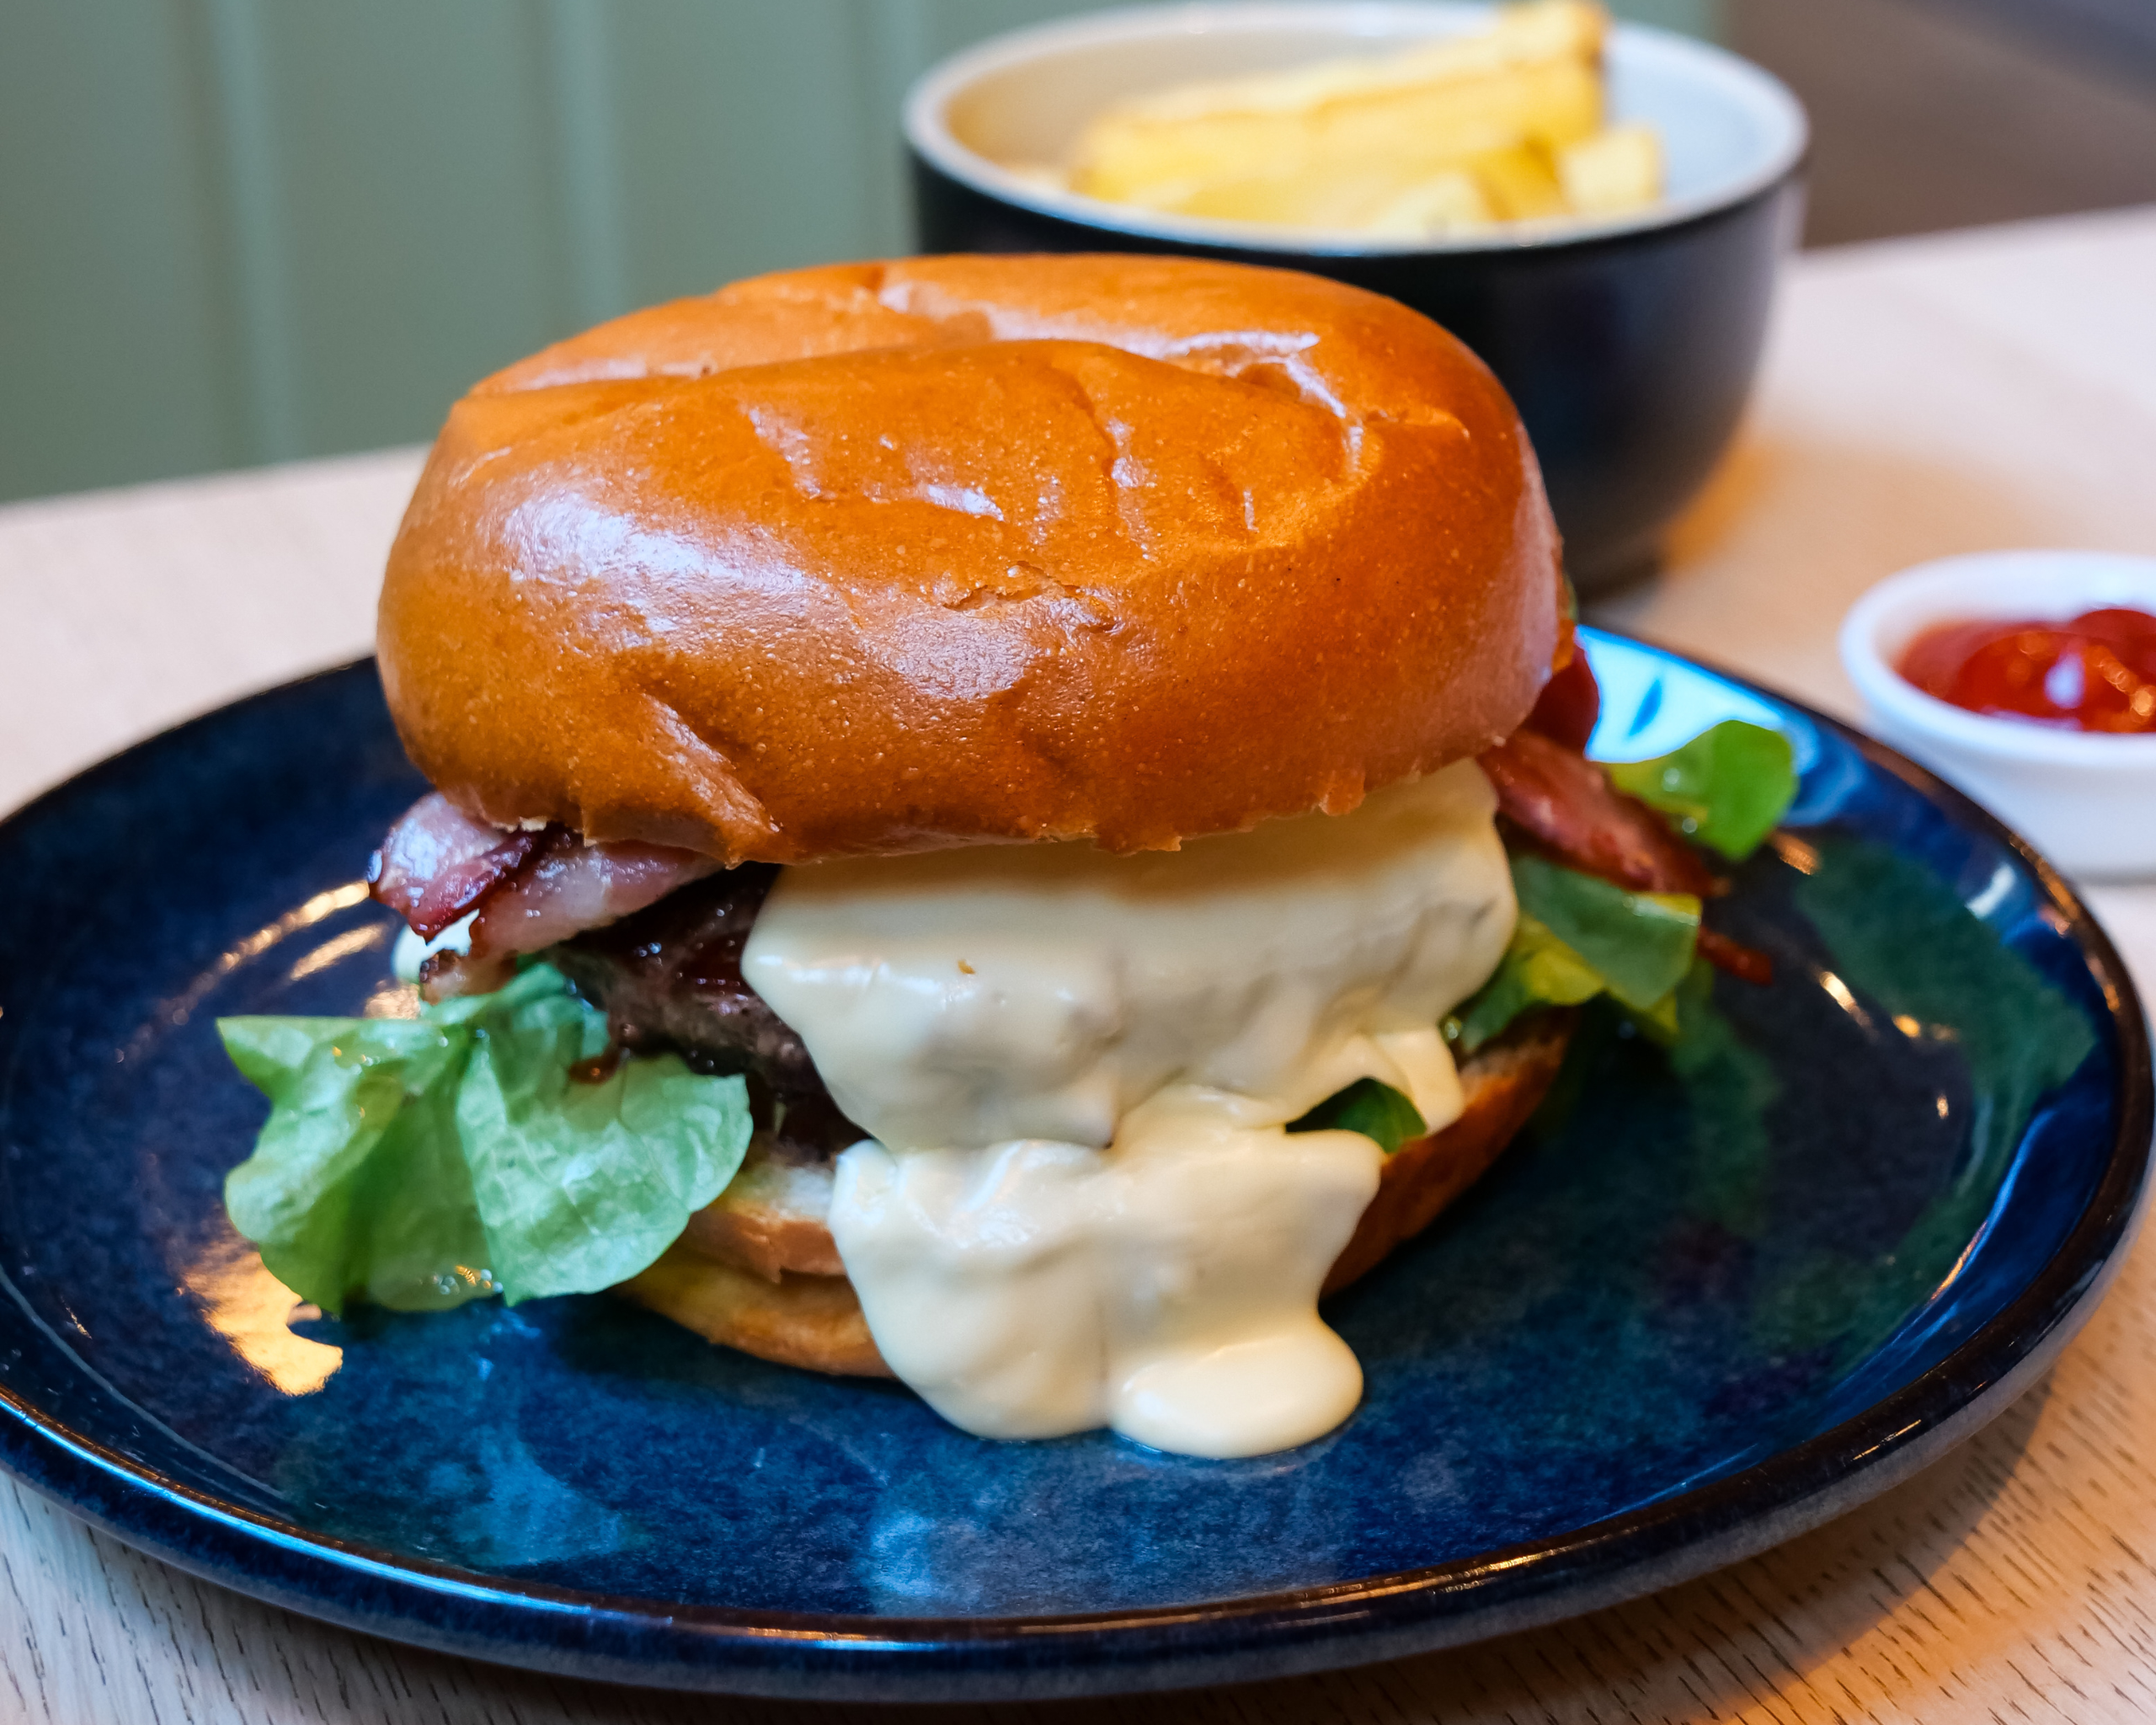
725,1649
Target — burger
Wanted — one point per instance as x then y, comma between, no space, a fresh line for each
1007,822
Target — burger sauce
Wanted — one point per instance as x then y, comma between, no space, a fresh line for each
1080,1205
2095,672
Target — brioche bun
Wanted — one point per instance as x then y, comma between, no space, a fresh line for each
889,557
758,1270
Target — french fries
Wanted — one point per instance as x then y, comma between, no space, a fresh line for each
1613,171
1503,125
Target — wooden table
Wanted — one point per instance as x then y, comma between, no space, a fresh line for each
1995,388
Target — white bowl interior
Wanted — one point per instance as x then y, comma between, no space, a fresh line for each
1727,128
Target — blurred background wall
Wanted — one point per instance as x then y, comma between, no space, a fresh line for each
244,231
1934,114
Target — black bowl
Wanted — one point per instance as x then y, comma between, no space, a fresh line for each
1630,344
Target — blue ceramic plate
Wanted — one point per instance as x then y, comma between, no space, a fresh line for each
1707,1302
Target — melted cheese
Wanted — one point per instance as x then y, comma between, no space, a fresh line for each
1079,1207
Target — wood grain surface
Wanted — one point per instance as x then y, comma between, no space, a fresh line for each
1990,389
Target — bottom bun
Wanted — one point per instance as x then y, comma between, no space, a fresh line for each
1505,1081
752,1271
814,1321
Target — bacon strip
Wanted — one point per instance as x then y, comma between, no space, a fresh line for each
1569,703
528,889
1746,964
567,886
1567,807
1563,801
438,862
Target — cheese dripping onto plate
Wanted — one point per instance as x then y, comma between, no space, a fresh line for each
1079,1206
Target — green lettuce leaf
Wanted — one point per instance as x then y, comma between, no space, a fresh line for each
420,1163
1641,944
1538,970
357,1188
1367,1106
1726,789
1577,936
583,1185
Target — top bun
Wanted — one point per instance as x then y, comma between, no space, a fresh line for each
888,556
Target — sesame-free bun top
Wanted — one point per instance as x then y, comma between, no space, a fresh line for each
887,557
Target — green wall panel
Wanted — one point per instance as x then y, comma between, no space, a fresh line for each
414,238
1697,17
741,134
238,231
117,338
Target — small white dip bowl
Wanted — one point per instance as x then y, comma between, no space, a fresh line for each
2086,799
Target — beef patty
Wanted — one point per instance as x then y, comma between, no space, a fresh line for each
669,977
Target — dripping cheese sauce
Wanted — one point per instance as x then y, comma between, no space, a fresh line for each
1078,1204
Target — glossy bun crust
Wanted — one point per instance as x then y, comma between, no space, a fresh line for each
887,557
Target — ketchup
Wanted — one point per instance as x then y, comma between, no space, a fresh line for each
2094,673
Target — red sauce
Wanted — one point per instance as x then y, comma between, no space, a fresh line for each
600,1067
2094,673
